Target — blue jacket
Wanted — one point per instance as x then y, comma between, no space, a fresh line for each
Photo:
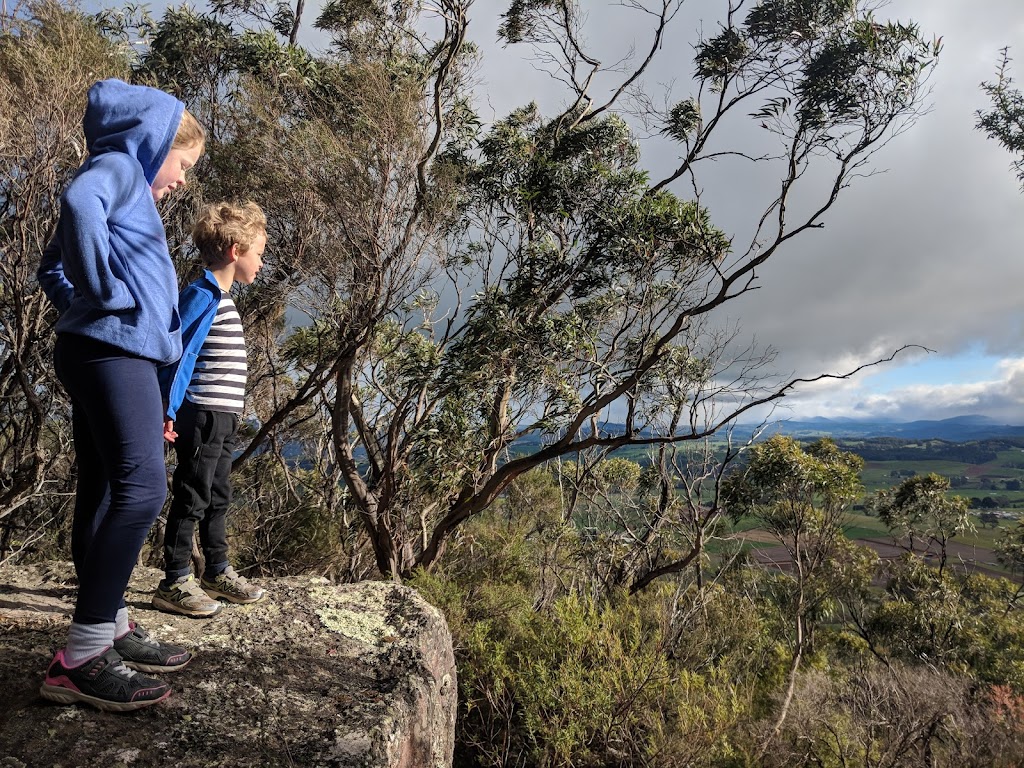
107,269
198,305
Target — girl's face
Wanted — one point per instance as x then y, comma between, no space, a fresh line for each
172,173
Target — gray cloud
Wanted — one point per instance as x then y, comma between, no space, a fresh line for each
927,252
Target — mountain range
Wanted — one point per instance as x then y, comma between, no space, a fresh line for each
957,429
960,429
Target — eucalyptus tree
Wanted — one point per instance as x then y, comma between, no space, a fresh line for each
339,148
1004,121
594,283
801,497
658,523
478,301
920,511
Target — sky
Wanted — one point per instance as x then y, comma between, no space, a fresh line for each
927,253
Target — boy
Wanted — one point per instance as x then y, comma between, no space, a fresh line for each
207,395
110,276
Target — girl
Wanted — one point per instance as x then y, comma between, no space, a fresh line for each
108,272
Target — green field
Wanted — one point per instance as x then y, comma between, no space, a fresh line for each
972,481
860,526
976,482
990,486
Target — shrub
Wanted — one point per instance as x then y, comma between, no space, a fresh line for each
895,716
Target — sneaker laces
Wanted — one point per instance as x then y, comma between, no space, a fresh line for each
119,668
144,636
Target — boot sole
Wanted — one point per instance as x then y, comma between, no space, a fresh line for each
61,695
169,607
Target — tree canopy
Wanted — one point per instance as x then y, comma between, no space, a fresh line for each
1004,121
447,305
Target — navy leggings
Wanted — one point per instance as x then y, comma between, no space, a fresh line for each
117,413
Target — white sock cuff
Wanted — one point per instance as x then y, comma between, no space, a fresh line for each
87,640
121,624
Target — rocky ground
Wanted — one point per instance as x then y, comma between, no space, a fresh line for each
313,675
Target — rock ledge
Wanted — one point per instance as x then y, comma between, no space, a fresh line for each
313,675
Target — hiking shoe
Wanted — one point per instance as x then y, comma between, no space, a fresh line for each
104,682
232,587
140,651
186,597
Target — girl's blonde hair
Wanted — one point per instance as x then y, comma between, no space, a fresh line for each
190,132
221,225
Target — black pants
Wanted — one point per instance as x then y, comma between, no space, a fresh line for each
122,480
201,489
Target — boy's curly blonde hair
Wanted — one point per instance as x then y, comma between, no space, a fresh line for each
221,225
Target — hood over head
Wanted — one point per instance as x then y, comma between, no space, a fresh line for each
134,119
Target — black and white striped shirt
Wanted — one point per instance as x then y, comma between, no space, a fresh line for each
218,383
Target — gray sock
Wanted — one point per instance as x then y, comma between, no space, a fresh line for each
87,640
121,624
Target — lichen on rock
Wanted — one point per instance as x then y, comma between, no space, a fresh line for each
365,622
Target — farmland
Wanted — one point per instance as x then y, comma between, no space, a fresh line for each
989,474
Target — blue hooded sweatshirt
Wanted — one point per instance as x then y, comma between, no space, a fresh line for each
107,269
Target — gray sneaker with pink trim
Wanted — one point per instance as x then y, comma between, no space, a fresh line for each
103,682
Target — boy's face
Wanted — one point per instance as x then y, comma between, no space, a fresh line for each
251,261
172,173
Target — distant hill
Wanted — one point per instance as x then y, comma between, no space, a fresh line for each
960,430
957,429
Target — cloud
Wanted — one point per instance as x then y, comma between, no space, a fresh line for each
928,252
1000,397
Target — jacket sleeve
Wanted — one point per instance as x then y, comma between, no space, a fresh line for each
193,305
51,277
98,195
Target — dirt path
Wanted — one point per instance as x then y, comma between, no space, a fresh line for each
961,557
